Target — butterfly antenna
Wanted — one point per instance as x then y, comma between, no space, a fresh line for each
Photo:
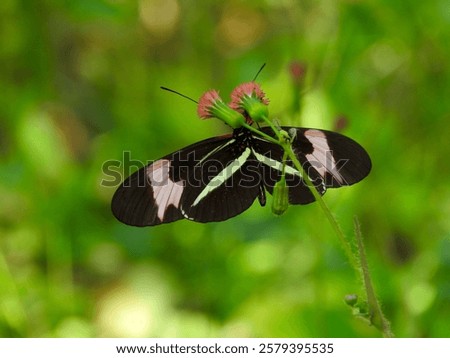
178,93
259,71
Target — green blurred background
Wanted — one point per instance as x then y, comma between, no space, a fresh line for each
79,84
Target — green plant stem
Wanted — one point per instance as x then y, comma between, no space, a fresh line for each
376,316
261,134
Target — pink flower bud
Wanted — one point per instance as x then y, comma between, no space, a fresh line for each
210,105
206,104
249,89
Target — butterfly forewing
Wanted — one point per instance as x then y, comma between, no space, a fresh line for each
141,201
339,160
153,194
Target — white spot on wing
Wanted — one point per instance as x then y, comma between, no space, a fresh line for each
165,191
322,157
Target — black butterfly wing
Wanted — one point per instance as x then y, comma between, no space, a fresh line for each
153,194
224,184
330,159
139,202
271,156
339,159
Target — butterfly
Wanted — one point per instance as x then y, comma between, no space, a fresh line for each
220,177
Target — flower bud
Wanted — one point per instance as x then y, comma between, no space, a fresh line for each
280,194
210,105
249,99
351,299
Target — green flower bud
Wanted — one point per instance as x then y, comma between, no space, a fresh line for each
255,109
249,99
280,201
351,300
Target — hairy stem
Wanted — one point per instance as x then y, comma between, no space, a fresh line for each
376,316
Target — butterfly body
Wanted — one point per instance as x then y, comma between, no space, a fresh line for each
220,177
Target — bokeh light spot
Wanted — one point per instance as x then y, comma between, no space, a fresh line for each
420,297
160,17
240,28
